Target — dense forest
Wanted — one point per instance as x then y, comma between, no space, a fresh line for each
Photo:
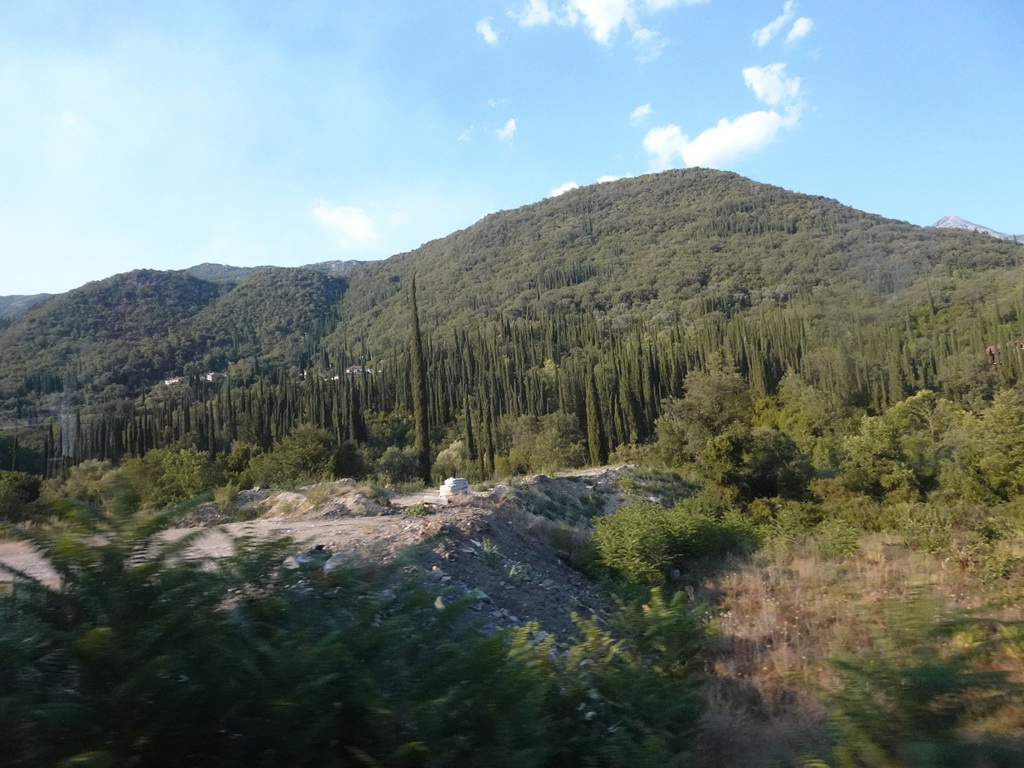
818,375
613,292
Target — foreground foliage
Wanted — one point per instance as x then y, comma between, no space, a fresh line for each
142,655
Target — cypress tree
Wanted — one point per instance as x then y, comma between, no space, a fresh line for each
595,429
470,437
419,391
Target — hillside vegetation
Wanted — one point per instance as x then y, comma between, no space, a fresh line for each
825,408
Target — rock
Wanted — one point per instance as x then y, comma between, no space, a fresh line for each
348,559
454,486
311,558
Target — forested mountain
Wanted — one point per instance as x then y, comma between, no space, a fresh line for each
596,302
820,420
12,306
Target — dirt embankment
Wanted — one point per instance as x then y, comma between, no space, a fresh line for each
512,563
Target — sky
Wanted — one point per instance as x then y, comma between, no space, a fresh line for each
168,133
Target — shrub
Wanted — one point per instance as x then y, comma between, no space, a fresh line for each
837,538
83,482
645,541
628,696
756,463
398,465
165,476
17,491
305,455
454,461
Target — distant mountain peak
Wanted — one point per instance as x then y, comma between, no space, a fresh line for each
955,222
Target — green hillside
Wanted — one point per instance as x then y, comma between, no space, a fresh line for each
109,333
670,243
817,420
12,306
617,290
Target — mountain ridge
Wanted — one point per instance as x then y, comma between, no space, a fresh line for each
955,222
671,256
11,306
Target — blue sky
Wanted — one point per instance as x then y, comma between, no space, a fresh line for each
162,134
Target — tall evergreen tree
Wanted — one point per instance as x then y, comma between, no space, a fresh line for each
595,428
419,391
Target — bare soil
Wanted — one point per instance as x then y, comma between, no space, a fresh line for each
482,546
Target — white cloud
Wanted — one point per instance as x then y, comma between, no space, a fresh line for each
648,45
351,224
658,5
567,187
801,28
663,144
770,84
606,179
484,28
603,18
534,14
467,134
718,145
764,35
638,115
507,132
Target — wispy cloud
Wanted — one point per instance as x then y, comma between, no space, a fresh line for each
639,114
506,132
765,34
536,13
603,18
648,45
801,27
567,187
486,31
349,223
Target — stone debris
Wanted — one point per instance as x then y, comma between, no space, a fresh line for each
454,486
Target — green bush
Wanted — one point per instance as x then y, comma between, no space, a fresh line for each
398,465
645,541
628,695
17,491
305,455
416,510
758,463
165,476
83,482
837,538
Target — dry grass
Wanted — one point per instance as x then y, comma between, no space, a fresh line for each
777,618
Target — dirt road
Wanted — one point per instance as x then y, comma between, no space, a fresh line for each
216,541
